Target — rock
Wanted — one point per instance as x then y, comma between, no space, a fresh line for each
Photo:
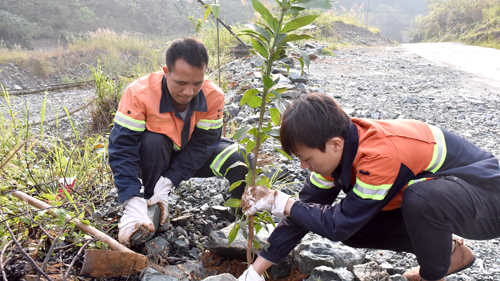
281,78
370,271
296,77
157,246
328,273
300,86
181,245
224,213
321,251
238,248
282,269
190,270
152,275
221,277
240,51
142,235
313,56
397,277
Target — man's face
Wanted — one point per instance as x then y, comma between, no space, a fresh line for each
184,81
323,163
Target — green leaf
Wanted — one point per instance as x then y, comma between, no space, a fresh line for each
275,116
264,181
264,12
263,139
61,215
233,202
253,132
263,244
85,221
207,12
255,102
248,95
294,37
241,132
255,244
260,48
313,4
215,10
232,234
250,146
283,153
268,82
294,11
235,184
275,133
259,30
298,23
244,232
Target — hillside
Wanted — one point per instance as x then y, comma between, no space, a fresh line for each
471,22
24,21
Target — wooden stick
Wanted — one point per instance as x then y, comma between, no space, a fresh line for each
112,243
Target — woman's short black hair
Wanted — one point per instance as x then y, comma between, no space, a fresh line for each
190,49
311,121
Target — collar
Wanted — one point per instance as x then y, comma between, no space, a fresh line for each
198,103
343,176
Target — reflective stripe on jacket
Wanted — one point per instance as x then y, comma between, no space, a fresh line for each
379,160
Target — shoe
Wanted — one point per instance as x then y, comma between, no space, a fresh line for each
461,258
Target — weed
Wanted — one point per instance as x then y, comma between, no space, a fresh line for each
327,52
109,93
67,80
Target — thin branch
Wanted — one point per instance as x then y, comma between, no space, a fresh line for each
74,259
33,263
37,210
51,250
4,275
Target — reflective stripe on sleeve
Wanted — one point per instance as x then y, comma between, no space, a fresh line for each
207,124
176,147
129,122
440,150
320,181
368,191
221,159
416,181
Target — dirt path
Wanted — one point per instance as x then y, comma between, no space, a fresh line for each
482,62
392,83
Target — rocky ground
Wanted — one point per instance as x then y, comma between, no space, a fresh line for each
382,81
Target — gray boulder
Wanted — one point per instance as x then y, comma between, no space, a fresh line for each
320,251
328,273
370,271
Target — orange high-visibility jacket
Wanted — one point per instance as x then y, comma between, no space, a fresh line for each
380,159
146,105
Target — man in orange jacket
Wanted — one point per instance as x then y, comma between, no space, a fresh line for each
408,187
168,129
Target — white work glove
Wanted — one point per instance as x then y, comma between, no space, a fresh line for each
251,275
135,215
160,197
259,197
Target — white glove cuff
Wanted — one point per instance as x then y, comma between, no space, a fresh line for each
135,203
253,275
280,201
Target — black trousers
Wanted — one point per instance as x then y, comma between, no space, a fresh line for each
157,152
430,213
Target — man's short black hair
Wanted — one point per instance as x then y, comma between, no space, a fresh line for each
311,121
190,49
